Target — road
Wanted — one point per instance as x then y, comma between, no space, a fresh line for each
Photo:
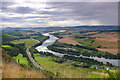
32,60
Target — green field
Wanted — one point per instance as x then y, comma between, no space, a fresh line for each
22,60
92,75
65,70
34,36
8,46
85,42
27,42
97,43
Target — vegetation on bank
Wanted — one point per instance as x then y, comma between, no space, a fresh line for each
80,50
52,63
61,70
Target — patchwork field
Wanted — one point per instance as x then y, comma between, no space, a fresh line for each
103,41
103,35
90,32
114,39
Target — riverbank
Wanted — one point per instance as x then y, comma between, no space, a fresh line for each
52,39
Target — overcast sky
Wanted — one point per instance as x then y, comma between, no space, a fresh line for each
31,13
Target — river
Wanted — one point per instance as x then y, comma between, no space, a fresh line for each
52,39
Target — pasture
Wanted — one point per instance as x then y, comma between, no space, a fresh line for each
20,59
27,42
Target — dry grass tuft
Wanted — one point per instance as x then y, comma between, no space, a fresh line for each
12,70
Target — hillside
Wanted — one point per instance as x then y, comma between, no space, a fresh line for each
13,70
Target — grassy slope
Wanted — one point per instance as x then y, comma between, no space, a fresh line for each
12,70
65,70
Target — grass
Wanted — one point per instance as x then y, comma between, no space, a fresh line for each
35,36
65,70
85,42
13,70
8,46
22,60
92,75
27,42
95,43
12,36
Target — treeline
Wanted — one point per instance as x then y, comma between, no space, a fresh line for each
40,38
34,51
82,62
14,33
7,38
15,49
81,50
57,35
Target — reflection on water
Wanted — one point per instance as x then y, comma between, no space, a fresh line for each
52,39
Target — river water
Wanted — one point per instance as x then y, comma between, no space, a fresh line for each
52,39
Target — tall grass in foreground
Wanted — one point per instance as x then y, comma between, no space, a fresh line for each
12,70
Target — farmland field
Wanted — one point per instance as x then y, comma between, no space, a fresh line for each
105,44
63,68
27,42
20,59
85,42
6,46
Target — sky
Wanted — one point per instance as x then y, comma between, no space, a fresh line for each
47,13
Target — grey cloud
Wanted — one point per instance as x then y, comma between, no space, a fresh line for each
105,12
5,8
23,10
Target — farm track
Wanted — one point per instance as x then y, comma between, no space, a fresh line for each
31,59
